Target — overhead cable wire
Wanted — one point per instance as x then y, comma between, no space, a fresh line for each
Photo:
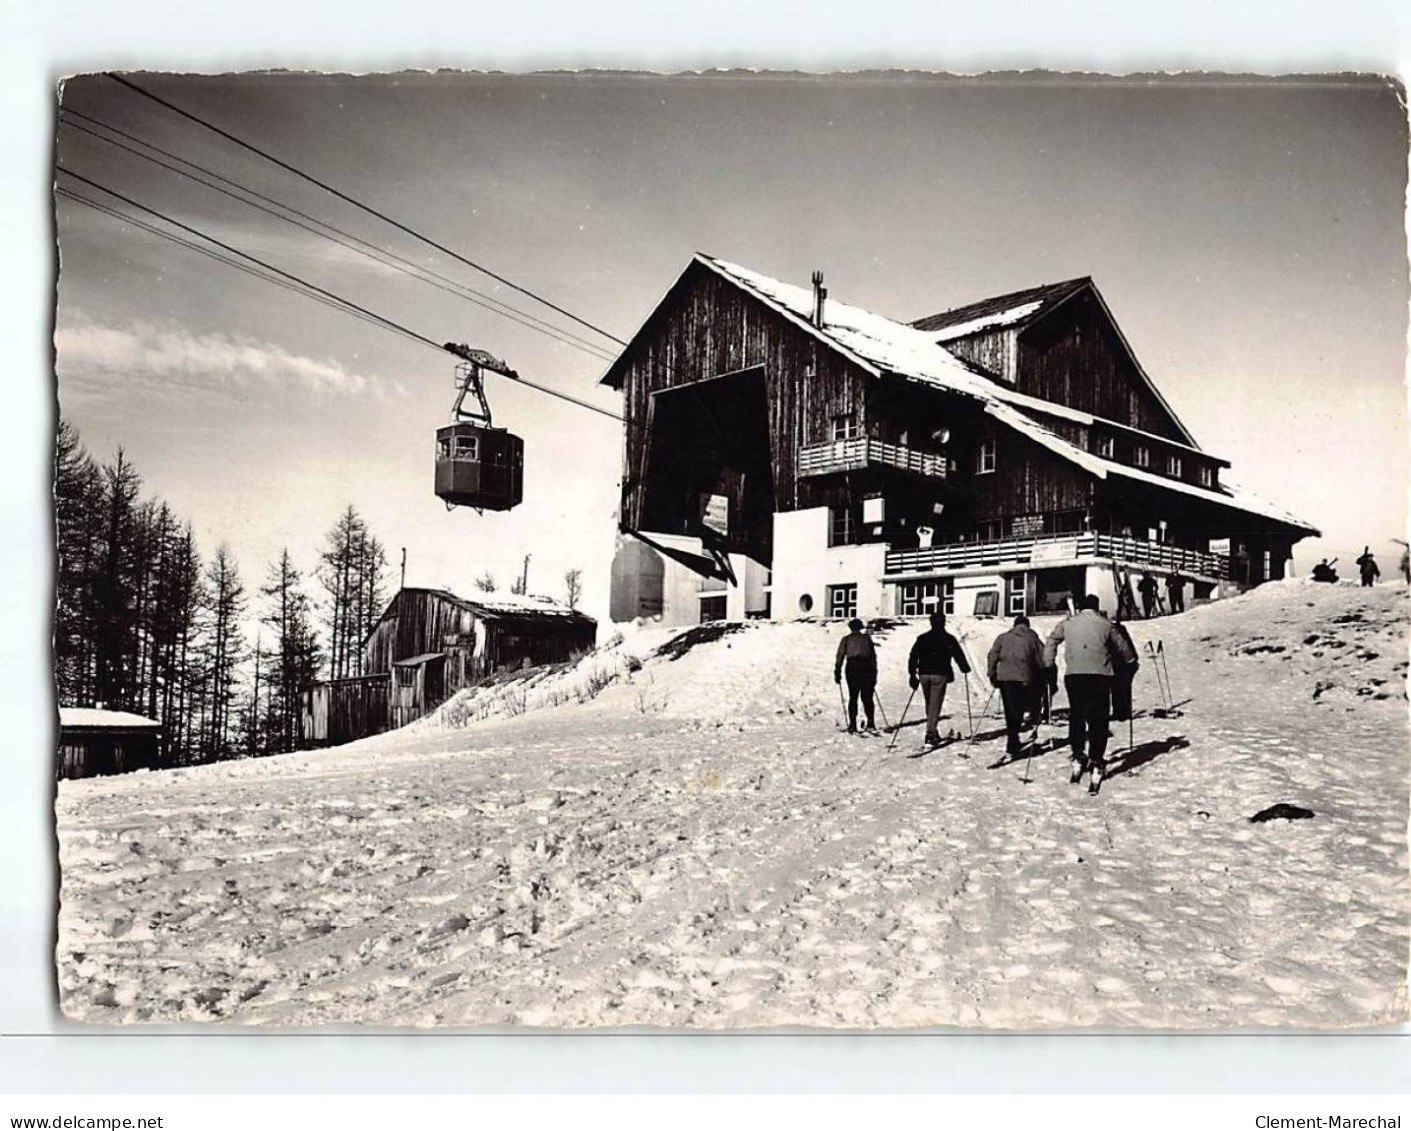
340,237
381,320
356,203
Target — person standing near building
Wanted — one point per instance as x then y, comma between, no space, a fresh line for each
1147,588
1176,592
929,667
1367,568
1092,647
858,656
1016,669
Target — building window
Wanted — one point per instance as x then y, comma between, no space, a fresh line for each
844,426
1268,565
1014,593
1173,466
1106,447
713,607
842,601
1207,477
923,597
985,457
842,526
991,531
1141,456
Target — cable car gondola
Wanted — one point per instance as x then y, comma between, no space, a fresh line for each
477,464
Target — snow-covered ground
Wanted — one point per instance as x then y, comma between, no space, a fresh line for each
691,842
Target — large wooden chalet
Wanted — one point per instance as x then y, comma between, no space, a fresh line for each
788,455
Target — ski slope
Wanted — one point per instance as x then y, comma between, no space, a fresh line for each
692,842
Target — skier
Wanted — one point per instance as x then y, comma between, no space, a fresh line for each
1123,674
856,652
1092,647
1016,669
1176,592
1405,564
1367,568
929,667
1147,588
1324,571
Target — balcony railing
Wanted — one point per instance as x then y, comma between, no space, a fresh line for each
1057,549
862,452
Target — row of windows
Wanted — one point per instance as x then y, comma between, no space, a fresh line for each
1141,457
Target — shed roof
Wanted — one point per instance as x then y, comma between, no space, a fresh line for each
97,718
417,661
495,607
1017,308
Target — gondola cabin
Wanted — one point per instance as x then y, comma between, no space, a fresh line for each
479,466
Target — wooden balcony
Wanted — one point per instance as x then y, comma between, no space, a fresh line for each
1058,550
861,453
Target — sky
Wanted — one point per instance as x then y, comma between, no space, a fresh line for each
1248,236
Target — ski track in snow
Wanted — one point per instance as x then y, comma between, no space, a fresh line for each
699,846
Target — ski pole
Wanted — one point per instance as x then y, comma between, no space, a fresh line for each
843,706
901,722
975,726
1166,667
885,721
969,717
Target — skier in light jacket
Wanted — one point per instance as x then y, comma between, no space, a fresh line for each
1092,649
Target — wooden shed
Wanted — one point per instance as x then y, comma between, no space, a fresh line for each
93,741
430,643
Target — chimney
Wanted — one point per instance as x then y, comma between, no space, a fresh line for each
820,293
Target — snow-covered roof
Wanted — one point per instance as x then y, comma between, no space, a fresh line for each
880,345
97,718
493,605
1227,494
999,311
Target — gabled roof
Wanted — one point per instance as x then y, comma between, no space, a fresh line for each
1018,308
879,345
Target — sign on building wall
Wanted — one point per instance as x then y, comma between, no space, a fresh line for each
716,514
1025,525
873,511
1063,550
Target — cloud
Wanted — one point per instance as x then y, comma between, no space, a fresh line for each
93,357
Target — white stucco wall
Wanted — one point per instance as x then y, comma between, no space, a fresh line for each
1098,579
970,586
804,563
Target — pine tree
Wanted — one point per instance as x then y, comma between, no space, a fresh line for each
573,587
294,652
223,651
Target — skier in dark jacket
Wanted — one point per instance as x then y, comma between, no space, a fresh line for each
929,667
1367,568
1123,674
1016,669
1147,587
858,656
1176,592
1092,650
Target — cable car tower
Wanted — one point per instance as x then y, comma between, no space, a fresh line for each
477,464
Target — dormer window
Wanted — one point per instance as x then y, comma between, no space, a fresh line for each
1106,447
1173,466
1141,456
985,457
1207,476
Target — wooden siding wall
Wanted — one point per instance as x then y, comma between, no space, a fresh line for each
1028,479
514,643
706,327
1073,356
343,710
419,624
996,353
95,754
